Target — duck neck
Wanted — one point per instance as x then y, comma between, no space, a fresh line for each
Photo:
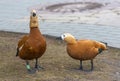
71,42
34,22
35,32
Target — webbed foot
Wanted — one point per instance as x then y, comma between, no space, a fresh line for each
38,67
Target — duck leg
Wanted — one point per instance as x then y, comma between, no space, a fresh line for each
91,64
37,66
30,71
81,68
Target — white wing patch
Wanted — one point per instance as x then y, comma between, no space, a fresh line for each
21,47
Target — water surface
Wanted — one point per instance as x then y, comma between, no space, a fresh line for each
12,11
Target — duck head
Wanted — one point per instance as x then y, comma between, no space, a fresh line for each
33,19
67,37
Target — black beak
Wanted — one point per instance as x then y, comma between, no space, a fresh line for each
34,14
104,43
58,38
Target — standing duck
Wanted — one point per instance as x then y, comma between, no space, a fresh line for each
32,46
83,49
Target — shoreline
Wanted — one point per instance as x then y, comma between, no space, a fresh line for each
14,34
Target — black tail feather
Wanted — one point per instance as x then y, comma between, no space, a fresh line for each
17,52
99,50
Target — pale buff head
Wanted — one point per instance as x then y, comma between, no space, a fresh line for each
103,46
33,19
67,37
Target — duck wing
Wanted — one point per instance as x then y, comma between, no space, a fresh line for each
21,42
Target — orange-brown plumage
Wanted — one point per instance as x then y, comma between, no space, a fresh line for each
82,49
32,46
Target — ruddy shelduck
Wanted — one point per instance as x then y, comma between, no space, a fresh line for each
33,45
83,49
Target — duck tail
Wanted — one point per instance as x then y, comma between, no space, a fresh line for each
17,52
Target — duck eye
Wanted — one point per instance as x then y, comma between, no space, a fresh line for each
63,35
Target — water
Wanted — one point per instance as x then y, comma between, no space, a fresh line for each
107,34
12,11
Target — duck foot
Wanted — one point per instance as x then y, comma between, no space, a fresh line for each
38,67
81,68
31,71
